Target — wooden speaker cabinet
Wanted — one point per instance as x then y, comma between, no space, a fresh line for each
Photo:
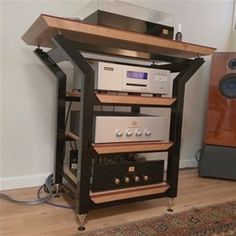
218,156
221,117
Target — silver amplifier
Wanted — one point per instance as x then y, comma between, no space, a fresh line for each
118,77
128,127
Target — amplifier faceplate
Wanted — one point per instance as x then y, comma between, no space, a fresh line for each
130,128
126,175
125,128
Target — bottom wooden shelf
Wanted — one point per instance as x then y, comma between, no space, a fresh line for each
113,195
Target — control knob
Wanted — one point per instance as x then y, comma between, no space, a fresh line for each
136,178
117,181
127,180
119,133
145,177
138,132
148,132
129,133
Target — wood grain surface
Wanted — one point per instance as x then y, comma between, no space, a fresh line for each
107,196
46,27
46,220
221,115
131,147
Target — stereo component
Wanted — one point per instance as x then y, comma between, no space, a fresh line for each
129,128
126,175
129,23
131,17
125,78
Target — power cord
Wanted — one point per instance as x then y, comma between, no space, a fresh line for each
198,154
32,202
44,187
47,187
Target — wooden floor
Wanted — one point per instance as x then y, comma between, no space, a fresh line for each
47,220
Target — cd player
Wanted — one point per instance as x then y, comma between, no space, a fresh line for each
126,78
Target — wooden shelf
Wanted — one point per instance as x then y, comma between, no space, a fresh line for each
73,96
134,100
113,195
111,99
101,39
131,147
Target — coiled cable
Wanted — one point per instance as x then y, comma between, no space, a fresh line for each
48,188
33,202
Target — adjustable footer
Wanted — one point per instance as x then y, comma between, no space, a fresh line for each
170,204
57,190
81,219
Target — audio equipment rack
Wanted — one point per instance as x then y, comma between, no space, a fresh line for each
67,39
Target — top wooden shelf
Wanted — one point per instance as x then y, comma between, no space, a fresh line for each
89,36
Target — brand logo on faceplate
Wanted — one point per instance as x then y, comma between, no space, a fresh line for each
131,168
133,124
108,68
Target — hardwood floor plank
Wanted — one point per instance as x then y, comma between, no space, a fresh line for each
46,220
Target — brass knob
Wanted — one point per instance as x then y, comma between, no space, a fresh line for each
127,180
136,178
117,181
146,178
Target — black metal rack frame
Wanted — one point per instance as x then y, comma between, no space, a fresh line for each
66,49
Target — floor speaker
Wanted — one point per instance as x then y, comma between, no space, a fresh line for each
218,156
221,116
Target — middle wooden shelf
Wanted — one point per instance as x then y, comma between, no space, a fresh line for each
120,99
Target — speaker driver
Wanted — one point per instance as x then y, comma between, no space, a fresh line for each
232,64
228,86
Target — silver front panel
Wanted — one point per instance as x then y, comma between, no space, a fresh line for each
129,128
117,77
125,78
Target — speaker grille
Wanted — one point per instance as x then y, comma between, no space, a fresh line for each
228,86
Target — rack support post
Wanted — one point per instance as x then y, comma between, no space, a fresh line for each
69,49
176,122
61,106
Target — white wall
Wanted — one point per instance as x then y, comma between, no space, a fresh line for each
1,164
29,97
28,106
233,32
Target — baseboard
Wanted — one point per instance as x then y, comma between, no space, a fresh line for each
190,163
22,181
